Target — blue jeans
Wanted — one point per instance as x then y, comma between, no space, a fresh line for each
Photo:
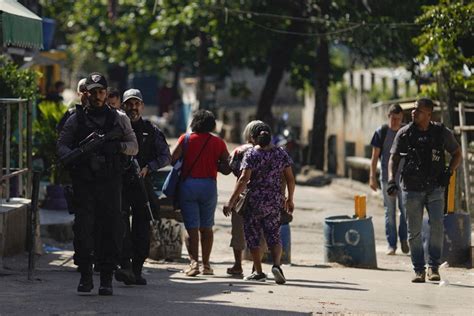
198,200
414,204
390,206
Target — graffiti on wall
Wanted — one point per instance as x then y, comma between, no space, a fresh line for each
166,240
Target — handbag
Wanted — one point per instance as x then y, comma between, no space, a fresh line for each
170,186
285,217
241,206
175,177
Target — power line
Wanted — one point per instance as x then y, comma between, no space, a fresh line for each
313,19
347,29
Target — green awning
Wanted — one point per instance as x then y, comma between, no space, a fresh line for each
19,26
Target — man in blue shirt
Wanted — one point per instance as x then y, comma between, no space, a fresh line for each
381,144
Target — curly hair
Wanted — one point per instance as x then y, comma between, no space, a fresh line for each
203,122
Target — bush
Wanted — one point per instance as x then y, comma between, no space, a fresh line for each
45,137
17,83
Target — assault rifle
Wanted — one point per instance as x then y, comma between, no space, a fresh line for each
89,144
141,183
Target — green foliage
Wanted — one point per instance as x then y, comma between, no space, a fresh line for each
337,93
430,91
445,44
17,83
45,136
377,93
239,89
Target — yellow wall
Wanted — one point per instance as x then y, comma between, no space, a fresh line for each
51,72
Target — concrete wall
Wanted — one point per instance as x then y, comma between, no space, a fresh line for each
254,83
13,222
236,111
356,118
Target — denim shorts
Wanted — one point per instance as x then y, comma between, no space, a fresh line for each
198,200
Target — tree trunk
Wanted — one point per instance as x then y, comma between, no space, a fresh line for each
446,98
279,61
272,82
175,85
112,9
178,64
117,77
202,58
322,69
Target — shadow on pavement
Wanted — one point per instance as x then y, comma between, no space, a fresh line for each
53,291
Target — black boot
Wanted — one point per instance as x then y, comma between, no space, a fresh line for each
106,282
86,283
125,275
137,271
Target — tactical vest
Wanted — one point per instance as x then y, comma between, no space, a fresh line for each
97,165
425,159
146,134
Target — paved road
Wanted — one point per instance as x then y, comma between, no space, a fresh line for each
313,287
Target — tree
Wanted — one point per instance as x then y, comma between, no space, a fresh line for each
375,32
445,48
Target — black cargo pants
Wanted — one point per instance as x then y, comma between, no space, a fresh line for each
136,243
98,225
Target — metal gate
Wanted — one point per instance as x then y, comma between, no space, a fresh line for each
467,154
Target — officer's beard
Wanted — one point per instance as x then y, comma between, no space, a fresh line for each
134,115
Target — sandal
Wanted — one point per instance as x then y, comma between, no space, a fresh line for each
235,271
207,270
193,269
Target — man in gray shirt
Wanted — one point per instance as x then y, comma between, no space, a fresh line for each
381,144
423,144
97,182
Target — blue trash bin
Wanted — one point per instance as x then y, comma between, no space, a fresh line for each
457,239
350,241
285,237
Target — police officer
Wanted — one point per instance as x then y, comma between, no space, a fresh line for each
153,154
424,177
81,89
113,98
97,183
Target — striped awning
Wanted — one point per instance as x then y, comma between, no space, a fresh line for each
19,26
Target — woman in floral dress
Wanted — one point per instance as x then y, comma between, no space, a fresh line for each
262,167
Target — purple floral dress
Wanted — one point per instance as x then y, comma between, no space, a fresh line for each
265,191
265,196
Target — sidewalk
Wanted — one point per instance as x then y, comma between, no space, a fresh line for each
313,287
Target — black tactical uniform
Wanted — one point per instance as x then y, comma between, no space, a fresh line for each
97,186
424,177
153,153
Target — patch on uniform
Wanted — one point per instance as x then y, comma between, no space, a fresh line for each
95,78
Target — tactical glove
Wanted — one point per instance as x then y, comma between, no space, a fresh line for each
392,187
445,177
